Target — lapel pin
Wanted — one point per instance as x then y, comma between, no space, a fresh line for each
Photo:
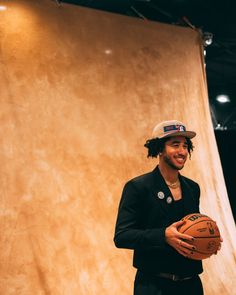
161,195
169,200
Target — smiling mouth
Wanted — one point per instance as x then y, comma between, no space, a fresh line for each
180,160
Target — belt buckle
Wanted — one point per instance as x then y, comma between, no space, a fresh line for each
174,278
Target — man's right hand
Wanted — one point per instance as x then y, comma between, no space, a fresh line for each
178,240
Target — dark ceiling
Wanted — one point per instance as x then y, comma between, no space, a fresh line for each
214,16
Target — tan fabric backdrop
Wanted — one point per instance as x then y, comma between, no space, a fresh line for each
80,93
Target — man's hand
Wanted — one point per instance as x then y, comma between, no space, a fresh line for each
179,241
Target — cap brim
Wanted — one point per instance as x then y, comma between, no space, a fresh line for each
189,134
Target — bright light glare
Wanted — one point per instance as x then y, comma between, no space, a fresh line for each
3,8
108,51
208,41
222,98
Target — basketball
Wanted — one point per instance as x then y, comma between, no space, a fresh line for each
205,232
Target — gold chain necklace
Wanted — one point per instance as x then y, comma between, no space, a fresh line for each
174,184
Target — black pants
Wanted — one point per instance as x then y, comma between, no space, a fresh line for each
151,285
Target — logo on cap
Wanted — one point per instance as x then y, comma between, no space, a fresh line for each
173,128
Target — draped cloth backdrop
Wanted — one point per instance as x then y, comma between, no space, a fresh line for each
80,93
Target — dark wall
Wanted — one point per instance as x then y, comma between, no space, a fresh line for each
226,141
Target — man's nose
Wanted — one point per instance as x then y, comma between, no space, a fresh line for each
182,150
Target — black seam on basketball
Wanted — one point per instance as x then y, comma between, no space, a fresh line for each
196,223
196,251
206,237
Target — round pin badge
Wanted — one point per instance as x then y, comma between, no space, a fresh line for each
161,195
169,200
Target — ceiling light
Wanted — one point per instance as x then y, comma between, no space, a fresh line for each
222,98
108,51
207,38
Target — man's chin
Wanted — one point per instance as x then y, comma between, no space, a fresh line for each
174,164
178,166
175,167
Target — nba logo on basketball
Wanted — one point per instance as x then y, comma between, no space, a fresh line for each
211,229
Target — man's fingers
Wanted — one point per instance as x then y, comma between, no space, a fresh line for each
186,245
178,223
186,237
185,249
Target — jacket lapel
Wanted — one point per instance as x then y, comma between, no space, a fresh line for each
165,198
162,193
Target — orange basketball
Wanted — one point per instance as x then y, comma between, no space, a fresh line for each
205,232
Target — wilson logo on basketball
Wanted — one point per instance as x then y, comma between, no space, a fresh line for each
195,217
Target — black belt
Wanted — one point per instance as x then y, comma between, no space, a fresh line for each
172,277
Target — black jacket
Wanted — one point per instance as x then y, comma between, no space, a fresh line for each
146,209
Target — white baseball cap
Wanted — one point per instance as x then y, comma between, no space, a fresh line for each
171,128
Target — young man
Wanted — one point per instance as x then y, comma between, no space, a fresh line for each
150,213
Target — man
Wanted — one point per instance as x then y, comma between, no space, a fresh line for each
150,213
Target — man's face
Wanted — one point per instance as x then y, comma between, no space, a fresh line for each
175,152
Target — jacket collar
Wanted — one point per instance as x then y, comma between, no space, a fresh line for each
163,193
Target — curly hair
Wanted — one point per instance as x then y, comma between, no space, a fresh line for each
156,146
